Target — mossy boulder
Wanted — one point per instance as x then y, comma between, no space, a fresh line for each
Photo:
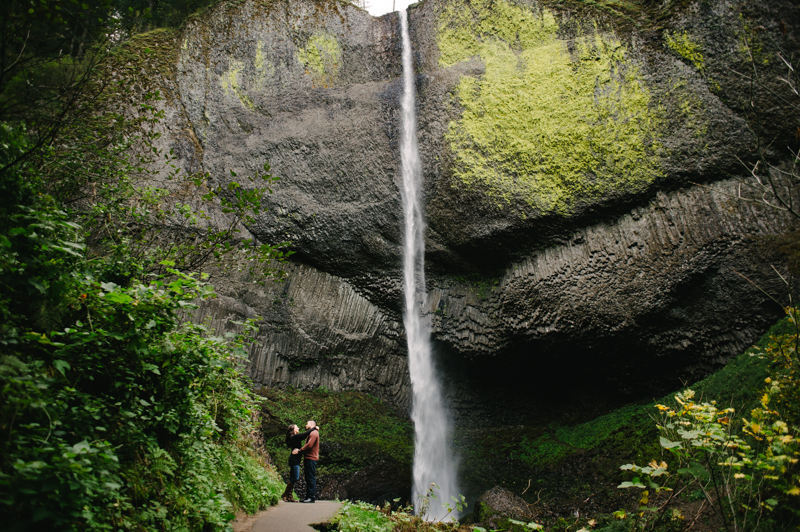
495,507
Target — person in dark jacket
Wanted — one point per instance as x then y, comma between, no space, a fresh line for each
310,452
294,440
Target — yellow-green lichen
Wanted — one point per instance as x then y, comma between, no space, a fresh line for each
545,125
321,57
691,110
231,82
265,70
683,45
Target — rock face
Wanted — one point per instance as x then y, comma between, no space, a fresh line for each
561,149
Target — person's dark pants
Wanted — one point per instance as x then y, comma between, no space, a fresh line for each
310,470
294,473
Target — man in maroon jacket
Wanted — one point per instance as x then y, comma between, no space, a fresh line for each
310,452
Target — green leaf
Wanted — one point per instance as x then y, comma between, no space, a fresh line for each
109,287
666,444
81,447
696,470
39,286
61,366
116,297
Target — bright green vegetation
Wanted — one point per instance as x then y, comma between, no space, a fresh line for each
686,47
544,124
360,517
750,454
117,411
322,57
564,462
360,429
116,414
624,434
561,441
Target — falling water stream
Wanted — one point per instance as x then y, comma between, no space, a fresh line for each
433,463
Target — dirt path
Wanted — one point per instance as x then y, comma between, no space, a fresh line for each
288,517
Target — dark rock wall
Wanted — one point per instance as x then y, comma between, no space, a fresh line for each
623,273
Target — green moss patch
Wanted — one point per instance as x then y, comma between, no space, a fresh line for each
546,124
686,47
231,82
322,57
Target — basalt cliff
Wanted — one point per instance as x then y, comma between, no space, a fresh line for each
580,165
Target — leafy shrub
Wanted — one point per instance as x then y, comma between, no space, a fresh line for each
116,412
745,468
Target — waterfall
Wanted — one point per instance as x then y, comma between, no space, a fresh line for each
433,461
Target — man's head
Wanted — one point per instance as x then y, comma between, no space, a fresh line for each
310,424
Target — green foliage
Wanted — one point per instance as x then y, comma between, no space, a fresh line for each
360,429
739,384
115,412
482,286
363,517
144,15
746,469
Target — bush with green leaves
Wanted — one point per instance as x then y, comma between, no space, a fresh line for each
747,469
117,412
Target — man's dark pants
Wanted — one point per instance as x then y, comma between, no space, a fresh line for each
310,470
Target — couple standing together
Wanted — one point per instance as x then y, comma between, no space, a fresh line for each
310,454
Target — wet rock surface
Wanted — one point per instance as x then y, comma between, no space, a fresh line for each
629,294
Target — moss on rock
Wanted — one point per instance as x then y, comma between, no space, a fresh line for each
321,57
685,46
231,82
547,124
